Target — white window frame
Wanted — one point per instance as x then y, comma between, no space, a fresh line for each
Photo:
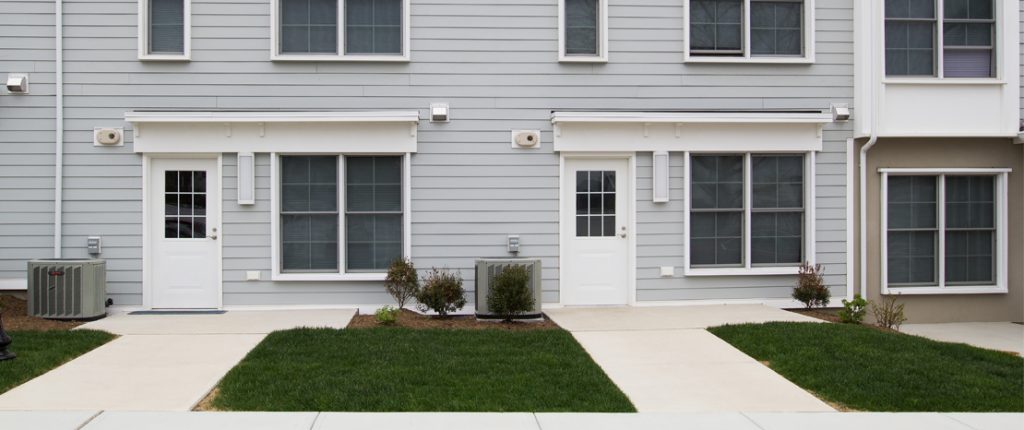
1001,236
748,269
341,275
939,57
746,57
340,55
602,36
143,35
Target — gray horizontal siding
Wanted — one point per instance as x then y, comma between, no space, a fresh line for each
494,61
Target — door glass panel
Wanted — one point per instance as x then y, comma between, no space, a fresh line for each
185,204
595,203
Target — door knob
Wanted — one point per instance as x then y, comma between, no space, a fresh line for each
214,235
623,233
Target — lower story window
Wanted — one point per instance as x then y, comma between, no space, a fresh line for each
746,210
313,221
942,230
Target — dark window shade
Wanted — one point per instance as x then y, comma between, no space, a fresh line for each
582,27
373,26
166,26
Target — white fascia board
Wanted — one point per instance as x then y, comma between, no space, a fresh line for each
693,117
15,284
229,117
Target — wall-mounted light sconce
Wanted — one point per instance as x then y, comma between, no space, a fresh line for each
439,112
17,83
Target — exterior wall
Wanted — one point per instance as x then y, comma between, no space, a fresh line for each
660,237
952,153
26,139
494,61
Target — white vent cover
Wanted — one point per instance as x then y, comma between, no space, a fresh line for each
661,176
246,178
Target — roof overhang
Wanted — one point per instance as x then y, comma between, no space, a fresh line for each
274,131
708,117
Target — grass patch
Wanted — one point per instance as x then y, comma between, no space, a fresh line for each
871,370
398,369
40,351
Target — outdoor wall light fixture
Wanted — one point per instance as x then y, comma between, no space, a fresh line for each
439,112
17,83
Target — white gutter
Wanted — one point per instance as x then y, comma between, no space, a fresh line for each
863,167
58,175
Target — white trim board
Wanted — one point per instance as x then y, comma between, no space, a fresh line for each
602,36
143,35
13,284
293,132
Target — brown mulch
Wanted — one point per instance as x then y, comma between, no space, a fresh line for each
413,320
830,315
15,314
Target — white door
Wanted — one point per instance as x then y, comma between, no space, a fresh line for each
596,216
184,209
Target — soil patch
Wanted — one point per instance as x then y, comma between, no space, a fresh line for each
15,314
410,319
827,314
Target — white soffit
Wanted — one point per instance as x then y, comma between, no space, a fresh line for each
689,131
286,132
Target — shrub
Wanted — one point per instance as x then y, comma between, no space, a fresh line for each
388,315
402,281
889,314
442,292
853,311
811,289
510,295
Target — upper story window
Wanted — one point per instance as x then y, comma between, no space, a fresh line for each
323,30
965,48
583,30
750,30
164,29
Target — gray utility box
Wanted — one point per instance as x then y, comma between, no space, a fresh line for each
67,288
488,268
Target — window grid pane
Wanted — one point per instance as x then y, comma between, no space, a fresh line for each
582,18
716,26
373,26
777,215
166,26
309,26
373,212
913,231
968,39
184,204
309,214
595,203
970,230
910,27
717,211
776,28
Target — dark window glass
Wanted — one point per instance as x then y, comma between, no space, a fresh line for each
968,39
717,210
716,26
777,215
373,208
910,37
970,230
912,230
776,28
184,204
309,214
582,18
309,26
166,26
595,203
373,26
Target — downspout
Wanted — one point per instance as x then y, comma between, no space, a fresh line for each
863,167
58,176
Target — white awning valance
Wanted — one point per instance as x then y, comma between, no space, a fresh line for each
267,131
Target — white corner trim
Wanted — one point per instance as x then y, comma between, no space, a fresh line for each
808,42
13,284
808,117
602,36
340,55
269,116
1002,195
143,35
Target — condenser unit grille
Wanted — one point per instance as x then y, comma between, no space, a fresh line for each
487,269
67,289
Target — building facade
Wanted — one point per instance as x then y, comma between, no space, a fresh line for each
282,152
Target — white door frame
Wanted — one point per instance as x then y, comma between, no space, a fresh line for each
147,237
566,219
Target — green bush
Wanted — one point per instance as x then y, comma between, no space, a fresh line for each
811,289
442,292
853,311
402,282
388,315
889,314
510,295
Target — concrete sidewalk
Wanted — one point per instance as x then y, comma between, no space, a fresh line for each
665,360
95,420
1001,336
160,362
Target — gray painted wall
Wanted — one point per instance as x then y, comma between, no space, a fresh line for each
494,61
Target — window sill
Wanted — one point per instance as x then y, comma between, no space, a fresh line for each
747,60
915,291
943,81
157,57
341,58
741,271
327,277
582,59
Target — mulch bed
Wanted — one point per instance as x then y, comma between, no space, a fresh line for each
830,315
413,320
15,314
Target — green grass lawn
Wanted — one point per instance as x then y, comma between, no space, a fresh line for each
40,351
397,369
870,370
